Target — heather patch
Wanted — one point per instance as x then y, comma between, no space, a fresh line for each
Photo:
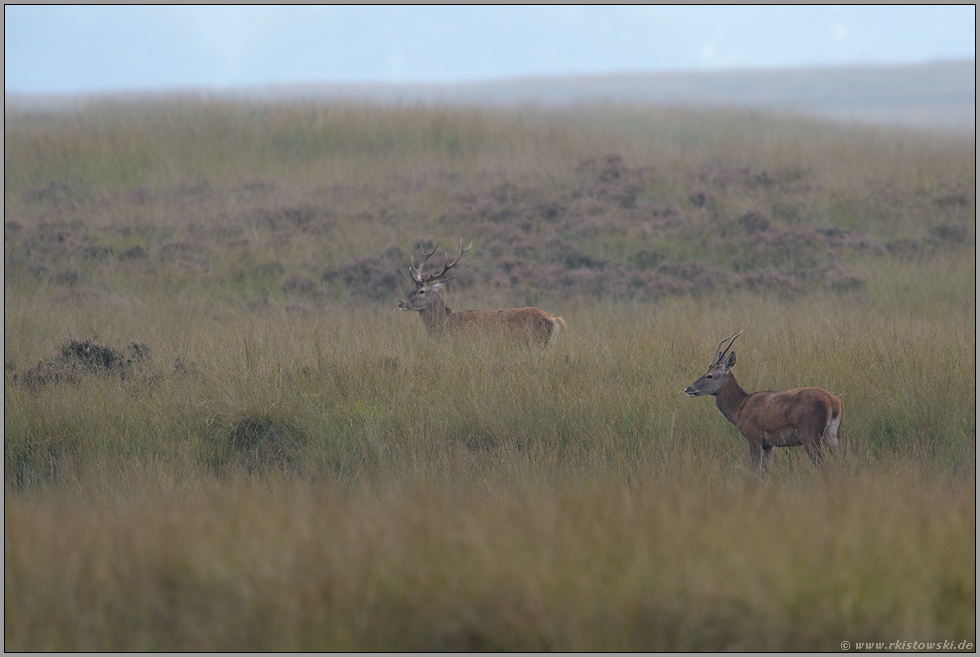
374,277
80,358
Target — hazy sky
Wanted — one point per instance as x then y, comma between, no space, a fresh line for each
108,48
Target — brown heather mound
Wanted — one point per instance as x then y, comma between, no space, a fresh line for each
297,206
620,232
79,358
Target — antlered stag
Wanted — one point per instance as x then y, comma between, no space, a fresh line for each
786,418
526,324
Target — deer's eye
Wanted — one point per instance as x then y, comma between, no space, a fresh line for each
421,292
708,376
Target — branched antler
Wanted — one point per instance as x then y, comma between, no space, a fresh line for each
416,272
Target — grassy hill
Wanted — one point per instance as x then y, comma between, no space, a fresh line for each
221,434
936,95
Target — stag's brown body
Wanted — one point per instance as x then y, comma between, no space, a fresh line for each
524,324
521,324
810,417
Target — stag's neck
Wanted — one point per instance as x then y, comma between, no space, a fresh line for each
729,399
435,315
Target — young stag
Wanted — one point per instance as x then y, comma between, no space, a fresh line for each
767,418
530,324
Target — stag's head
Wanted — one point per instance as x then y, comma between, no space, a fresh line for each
425,289
712,381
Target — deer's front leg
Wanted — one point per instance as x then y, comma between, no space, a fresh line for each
755,450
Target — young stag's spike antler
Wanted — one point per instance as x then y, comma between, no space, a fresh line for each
810,417
719,354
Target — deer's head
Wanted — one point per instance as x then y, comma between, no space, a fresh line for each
425,289
712,381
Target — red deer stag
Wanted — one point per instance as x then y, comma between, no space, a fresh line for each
531,324
767,418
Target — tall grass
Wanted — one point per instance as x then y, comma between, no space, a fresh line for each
683,562
607,395
113,147
276,458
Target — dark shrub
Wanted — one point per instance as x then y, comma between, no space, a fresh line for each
608,168
646,259
949,232
83,357
256,443
753,222
374,277
133,253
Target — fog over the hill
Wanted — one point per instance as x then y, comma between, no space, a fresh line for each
76,49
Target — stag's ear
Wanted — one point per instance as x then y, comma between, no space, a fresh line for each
438,285
730,363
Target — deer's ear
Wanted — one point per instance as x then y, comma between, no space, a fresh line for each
730,363
438,285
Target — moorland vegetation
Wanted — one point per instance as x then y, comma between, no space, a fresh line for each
221,434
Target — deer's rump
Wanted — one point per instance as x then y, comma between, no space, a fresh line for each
790,417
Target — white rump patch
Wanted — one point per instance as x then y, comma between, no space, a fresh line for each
830,433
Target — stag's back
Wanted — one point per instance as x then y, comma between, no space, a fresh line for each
806,409
531,324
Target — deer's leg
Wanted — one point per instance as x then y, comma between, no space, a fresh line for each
766,458
813,450
755,450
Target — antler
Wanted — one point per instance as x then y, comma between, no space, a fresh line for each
416,272
719,354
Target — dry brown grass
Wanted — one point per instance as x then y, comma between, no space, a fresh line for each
680,563
288,462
